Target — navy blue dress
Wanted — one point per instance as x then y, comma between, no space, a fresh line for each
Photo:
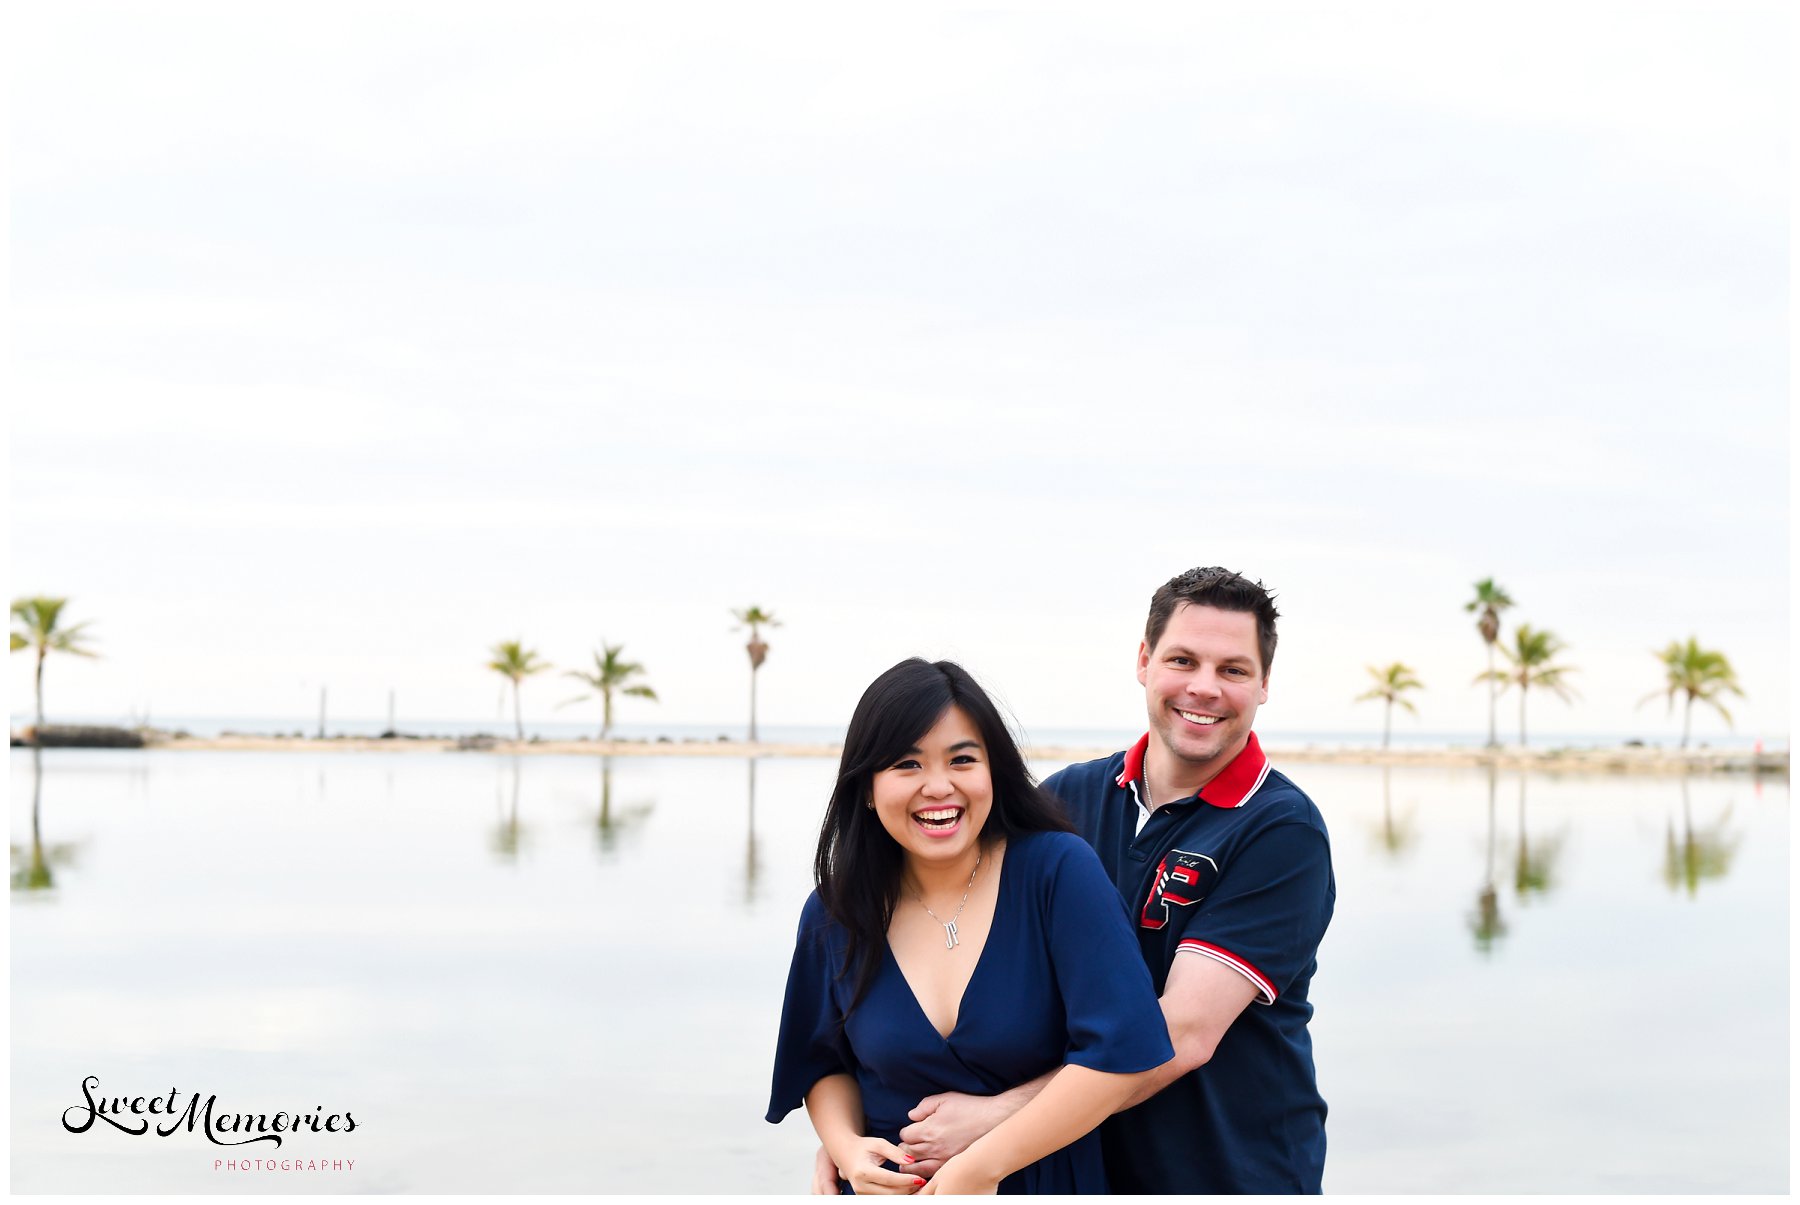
1060,980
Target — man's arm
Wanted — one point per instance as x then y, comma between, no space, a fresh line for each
946,1124
1075,1100
1200,1001
942,1126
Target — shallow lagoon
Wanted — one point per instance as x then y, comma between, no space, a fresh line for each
552,974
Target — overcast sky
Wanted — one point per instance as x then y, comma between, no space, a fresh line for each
351,339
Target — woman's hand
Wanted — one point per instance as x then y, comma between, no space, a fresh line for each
860,1160
960,1177
835,1106
825,1175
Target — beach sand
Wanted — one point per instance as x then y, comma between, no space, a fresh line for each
1615,760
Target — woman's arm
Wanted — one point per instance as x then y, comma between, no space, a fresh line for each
1074,1101
835,1107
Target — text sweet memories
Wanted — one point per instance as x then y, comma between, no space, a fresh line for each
133,1115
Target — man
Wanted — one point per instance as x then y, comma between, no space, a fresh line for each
1225,867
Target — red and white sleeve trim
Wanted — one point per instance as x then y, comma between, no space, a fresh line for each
1265,991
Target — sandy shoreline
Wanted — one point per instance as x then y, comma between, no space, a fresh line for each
1615,760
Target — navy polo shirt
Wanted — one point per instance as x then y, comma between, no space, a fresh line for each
1240,873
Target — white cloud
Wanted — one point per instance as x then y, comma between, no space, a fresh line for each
935,327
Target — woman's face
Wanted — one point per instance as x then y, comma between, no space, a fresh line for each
935,798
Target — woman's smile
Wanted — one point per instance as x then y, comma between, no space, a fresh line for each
935,798
939,822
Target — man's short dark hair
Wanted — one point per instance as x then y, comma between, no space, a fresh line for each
1221,588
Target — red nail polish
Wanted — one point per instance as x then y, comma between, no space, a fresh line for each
920,1183
909,1158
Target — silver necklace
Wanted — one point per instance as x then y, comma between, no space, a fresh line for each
951,938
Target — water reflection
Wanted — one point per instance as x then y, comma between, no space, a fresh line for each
1425,914
31,871
507,837
752,867
1394,837
611,825
1486,923
1698,854
1535,866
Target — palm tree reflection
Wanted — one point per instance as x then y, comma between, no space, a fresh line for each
30,871
508,837
1486,923
613,825
752,866
1534,869
1697,854
1394,837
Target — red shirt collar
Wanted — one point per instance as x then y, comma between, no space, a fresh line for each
1231,787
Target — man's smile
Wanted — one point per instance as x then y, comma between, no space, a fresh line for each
1194,717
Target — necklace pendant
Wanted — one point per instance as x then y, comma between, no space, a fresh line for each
951,939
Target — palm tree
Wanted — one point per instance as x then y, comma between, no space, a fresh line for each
35,626
756,619
1490,600
1530,664
513,661
1390,684
1699,674
611,673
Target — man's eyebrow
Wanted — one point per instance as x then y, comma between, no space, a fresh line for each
1181,650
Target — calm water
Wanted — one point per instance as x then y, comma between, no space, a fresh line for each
540,974
1664,735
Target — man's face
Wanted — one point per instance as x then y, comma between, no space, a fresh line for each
1203,683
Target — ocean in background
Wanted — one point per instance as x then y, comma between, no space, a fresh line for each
1274,735
564,973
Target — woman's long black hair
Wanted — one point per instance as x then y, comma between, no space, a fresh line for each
857,868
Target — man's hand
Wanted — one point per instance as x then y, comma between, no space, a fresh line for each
826,1175
944,1125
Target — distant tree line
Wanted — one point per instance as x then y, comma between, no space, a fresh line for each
1697,674
1691,672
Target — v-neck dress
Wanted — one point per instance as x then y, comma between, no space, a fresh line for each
1060,980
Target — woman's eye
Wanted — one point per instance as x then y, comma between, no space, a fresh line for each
906,764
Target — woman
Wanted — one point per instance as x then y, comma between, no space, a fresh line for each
961,939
